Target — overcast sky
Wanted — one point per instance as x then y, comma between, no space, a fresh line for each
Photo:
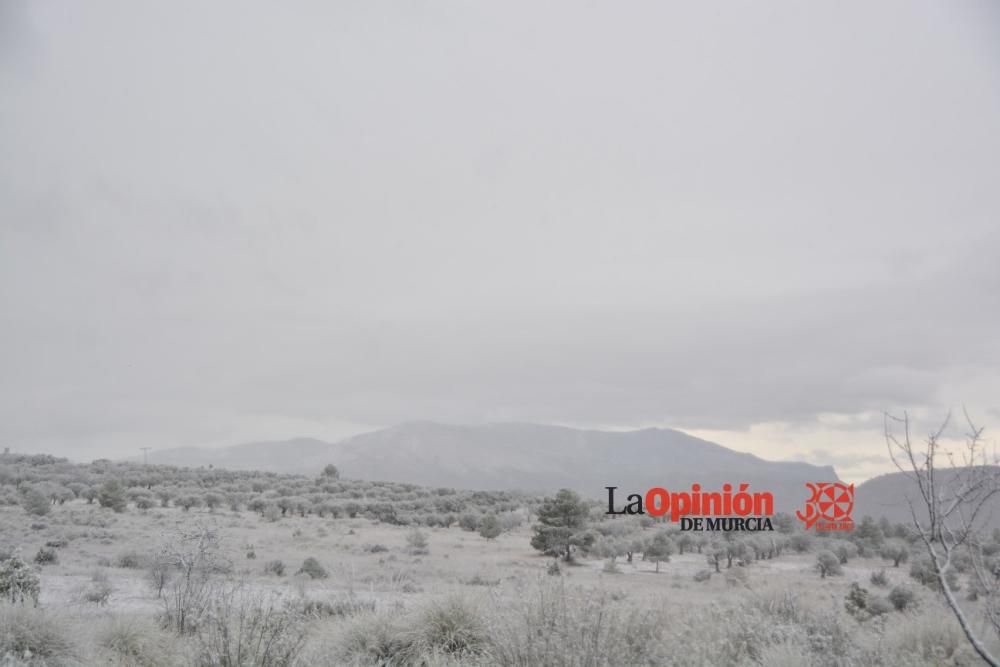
761,222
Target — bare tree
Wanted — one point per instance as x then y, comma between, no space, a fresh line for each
195,554
955,499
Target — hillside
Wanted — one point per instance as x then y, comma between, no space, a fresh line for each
299,455
886,496
525,457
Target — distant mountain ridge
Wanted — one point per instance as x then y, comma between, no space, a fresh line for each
889,495
524,457
297,455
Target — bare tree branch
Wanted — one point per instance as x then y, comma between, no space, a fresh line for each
955,502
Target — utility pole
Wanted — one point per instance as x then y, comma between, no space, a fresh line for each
145,450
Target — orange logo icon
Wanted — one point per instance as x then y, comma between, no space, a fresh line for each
829,507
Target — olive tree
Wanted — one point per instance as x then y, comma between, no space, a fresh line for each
35,502
828,563
895,550
112,495
714,554
659,549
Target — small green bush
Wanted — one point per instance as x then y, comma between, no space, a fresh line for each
922,570
489,527
341,607
452,626
479,580
737,576
131,560
370,639
902,598
133,640
36,632
46,556
275,567
145,502
97,592
416,539
312,568
857,601
877,606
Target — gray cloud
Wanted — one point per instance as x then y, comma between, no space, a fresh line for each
221,219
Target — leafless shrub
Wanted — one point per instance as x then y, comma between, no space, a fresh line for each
195,554
98,590
17,582
243,628
159,574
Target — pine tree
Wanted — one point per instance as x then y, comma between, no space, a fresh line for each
562,523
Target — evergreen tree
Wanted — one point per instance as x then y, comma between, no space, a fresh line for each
562,524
